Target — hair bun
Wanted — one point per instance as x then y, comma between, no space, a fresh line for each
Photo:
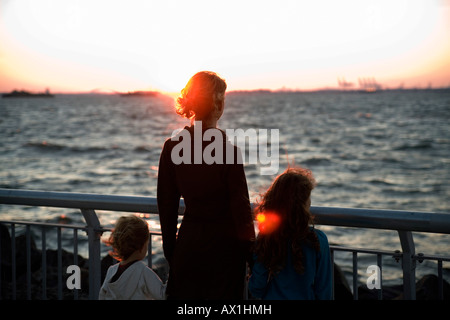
200,95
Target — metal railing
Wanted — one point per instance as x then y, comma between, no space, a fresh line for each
404,222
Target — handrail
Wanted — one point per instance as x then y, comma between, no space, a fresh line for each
349,217
404,222
400,220
81,200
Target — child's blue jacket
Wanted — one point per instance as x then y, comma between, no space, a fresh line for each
314,284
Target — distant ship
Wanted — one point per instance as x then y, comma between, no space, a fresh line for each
140,94
26,94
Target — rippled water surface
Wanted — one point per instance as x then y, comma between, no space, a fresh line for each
389,150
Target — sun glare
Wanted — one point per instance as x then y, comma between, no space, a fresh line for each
268,222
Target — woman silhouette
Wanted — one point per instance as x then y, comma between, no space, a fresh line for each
207,259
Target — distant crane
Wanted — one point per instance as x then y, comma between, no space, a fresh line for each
369,84
343,84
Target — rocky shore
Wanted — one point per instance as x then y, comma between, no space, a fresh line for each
426,287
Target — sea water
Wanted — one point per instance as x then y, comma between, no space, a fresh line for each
386,150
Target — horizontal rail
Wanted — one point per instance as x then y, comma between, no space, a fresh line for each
78,200
46,224
348,217
383,219
404,222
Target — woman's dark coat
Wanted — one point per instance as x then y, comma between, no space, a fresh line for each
207,259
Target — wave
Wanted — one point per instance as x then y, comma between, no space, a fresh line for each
12,186
146,149
44,145
380,182
316,161
414,146
407,191
391,160
49,146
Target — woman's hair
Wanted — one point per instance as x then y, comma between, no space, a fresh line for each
289,198
129,234
202,92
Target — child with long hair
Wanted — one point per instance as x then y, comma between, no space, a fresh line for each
131,279
292,258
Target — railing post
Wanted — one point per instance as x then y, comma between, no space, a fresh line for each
149,251
94,234
408,265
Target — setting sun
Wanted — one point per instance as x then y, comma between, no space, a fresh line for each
85,45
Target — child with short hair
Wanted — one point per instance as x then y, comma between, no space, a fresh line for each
131,278
292,258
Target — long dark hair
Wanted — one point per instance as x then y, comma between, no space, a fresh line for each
289,199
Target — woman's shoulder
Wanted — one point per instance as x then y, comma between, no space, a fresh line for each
176,134
173,140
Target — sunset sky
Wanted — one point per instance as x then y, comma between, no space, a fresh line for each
78,45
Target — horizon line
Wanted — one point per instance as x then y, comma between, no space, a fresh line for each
103,91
